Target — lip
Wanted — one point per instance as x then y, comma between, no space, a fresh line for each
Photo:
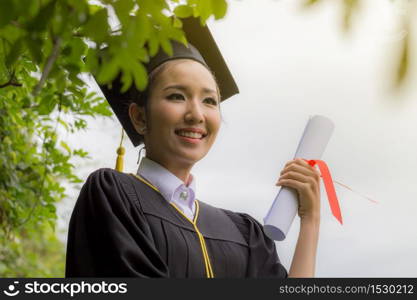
190,140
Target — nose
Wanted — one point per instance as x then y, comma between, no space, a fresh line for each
194,113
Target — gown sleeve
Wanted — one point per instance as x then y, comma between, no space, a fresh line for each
263,258
108,234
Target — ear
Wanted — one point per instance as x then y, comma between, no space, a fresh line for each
138,117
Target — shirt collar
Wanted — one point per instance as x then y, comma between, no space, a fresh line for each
166,182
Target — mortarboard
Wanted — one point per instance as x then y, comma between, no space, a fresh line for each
201,47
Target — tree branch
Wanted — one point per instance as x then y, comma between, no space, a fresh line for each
48,66
10,82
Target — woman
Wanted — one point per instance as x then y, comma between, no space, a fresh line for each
150,224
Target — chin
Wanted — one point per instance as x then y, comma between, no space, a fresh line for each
191,158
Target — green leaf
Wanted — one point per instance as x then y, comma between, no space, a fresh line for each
102,109
176,34
97,27
79,48
80,153
177,23
219,8
91,60
142,28
7,12
47,105
165,43
26,8
122,9
140,76
108,71
153,45
41,20
65,146
206,10
126,81
80,124
183,11
196,12
63,123
14,53
34,44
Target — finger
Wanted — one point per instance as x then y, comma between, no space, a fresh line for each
299,168
302,162
298,161
289,162
302,188
298,176
302,169
311,182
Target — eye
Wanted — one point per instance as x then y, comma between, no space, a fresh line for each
175,96
211,100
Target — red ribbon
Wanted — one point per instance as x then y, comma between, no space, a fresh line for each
328,184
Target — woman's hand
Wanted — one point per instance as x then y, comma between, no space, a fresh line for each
305,179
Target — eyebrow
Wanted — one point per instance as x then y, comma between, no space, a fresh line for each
184,88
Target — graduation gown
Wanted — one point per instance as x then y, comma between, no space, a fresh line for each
121,227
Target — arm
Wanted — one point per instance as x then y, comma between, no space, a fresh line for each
304,259
304,179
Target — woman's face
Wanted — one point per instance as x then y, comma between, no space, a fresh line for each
184,114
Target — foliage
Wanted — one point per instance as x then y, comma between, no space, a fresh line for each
43,46
33,251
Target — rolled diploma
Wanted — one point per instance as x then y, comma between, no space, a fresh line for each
313,142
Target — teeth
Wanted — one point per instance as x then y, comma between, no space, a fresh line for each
193,135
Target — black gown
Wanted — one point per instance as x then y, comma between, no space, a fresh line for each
121,227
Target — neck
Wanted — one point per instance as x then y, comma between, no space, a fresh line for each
182,171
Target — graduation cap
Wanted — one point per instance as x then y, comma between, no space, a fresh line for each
201,47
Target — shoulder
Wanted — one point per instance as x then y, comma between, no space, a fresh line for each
107,185
106,175
106,179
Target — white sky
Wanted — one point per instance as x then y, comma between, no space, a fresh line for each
289,65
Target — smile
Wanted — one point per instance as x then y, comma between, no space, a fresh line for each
189,134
